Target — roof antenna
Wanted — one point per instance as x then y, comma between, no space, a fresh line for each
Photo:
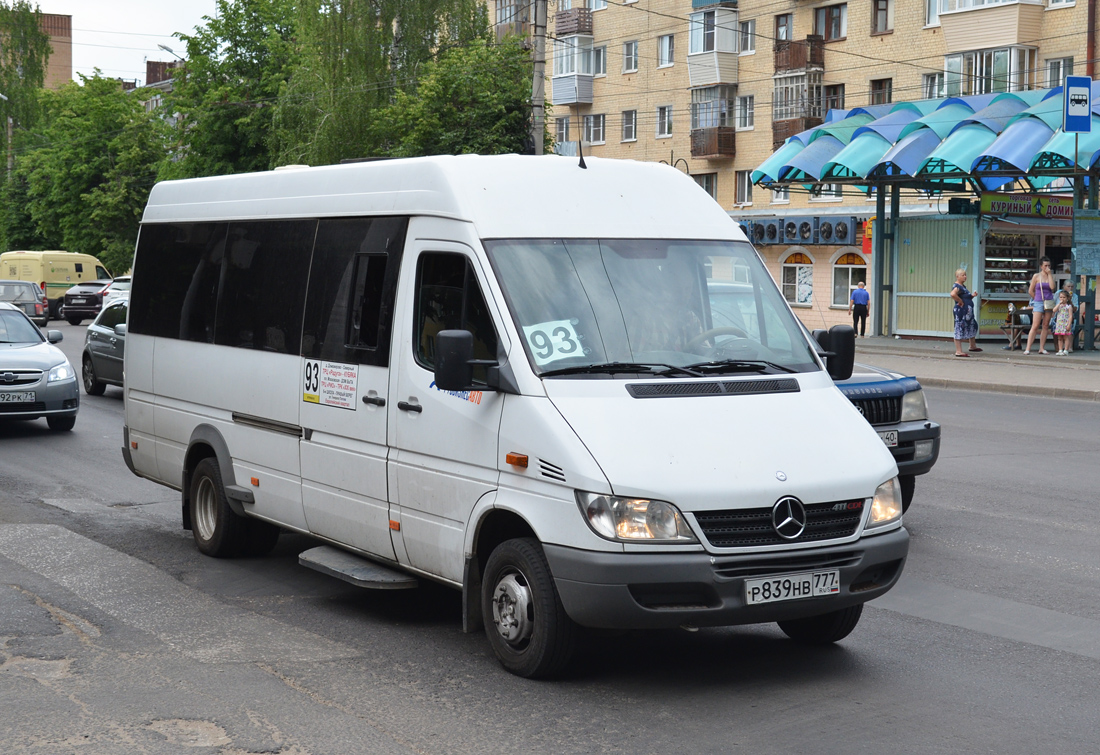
580,151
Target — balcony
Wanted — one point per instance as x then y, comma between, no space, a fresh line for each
571,89
713,143
574,21
978,27
714,67
785,129
799,55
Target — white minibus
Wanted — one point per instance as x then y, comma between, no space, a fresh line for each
503,374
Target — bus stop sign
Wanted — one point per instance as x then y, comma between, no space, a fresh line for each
1077,105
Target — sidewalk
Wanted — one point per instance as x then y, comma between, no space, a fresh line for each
933,362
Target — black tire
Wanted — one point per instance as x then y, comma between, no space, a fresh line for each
75,320
218,532
824,629
54,309
61,424
908,485
538,640
92,386
260,538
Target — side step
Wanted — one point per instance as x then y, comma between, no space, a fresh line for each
358,571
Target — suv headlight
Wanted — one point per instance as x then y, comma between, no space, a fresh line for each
634,519
914,406
886,505
63,371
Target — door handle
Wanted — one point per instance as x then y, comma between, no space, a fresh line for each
405,406
375,400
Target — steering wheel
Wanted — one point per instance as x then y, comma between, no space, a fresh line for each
725,330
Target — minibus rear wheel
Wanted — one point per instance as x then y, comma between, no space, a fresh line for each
824,629
217,530
527,626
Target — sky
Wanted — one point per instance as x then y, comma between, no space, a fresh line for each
117,36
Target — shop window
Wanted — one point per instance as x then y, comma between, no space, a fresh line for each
848,270
798,279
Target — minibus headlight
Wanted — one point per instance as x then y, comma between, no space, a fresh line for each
63,371
914,406
886,505
634,519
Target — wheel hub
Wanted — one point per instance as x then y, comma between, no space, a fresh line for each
511,609
204,509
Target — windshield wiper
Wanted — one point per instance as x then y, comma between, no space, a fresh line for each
623,367
738,365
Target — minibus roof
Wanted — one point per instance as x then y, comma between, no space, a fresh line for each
505,196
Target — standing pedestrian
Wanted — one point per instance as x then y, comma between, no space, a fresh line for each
859,306
966,324
1041,293
1063,322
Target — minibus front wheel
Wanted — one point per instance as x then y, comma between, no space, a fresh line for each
527,626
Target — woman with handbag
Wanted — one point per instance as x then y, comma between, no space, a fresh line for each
966,324
1041,293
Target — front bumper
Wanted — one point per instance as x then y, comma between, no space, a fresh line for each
83,311
664,590
905,451
60,399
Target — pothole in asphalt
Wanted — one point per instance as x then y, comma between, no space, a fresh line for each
191,733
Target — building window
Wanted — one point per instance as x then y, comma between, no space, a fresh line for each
511,12
744,187
931,12
561,126
630,57
664,121
849,270
665,50
797,96
597,4
827,191
834,97
1055,3
781,195
882,91
798,279
599,61
593,129
832,22
747,37
1007,69
702,31
1057,71
630,125
882,16
572,55
712,106
708,182
947,6
745,108
784,27
933,86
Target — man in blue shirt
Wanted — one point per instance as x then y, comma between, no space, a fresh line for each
859,306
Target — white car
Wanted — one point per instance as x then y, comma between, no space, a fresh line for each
120,286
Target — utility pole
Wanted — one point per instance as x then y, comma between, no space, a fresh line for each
11,155
538,83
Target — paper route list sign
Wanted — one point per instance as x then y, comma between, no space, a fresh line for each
330,383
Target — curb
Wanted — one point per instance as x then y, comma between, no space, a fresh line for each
1076,394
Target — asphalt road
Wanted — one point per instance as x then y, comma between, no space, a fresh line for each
117,636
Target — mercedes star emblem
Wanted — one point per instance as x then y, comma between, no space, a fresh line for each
789,518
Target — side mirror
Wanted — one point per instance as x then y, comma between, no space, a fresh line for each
842,347
120,330
55,336
454,350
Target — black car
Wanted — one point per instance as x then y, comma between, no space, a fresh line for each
27,297
104,348
83,300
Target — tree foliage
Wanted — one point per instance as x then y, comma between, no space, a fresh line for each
236,65
87,182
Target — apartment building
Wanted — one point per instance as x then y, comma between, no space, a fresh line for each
59,70
713,88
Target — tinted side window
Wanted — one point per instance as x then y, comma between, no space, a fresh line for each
112,316
262,291
352,285
78,267
175,283
102,274
447,298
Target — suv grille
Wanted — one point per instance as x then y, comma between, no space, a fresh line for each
879,411
741,528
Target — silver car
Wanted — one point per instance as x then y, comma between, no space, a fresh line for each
27,297
36,380
105,347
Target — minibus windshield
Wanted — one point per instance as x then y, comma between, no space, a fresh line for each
671,307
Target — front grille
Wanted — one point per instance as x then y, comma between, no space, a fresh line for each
38,406
879,411
722,388
19,377
786,562
743,528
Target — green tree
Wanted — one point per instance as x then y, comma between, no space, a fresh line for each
475,99
87,181
236,65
